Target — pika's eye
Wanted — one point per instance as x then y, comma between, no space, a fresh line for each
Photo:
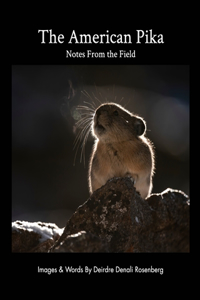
115,113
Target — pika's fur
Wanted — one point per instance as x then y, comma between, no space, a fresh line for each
120,149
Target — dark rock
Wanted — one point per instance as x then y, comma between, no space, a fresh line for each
82,242
114,219
107,215
171,221
123,221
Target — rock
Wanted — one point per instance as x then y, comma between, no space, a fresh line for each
82,242
124,222
114,219
34,236
107,215
169,219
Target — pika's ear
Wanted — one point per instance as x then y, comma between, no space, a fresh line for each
140,126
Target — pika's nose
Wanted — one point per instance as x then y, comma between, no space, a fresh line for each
100,110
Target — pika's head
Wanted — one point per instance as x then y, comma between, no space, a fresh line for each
114,123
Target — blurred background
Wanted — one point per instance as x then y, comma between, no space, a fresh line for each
46,185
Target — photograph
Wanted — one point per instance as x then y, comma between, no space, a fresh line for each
100,159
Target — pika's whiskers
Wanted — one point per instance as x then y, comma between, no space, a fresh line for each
85,93
84,124
84,107
96,98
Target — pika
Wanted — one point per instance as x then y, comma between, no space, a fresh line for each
120,149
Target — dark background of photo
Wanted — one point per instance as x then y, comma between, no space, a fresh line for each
46,185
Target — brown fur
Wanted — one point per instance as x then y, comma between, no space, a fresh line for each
120,149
